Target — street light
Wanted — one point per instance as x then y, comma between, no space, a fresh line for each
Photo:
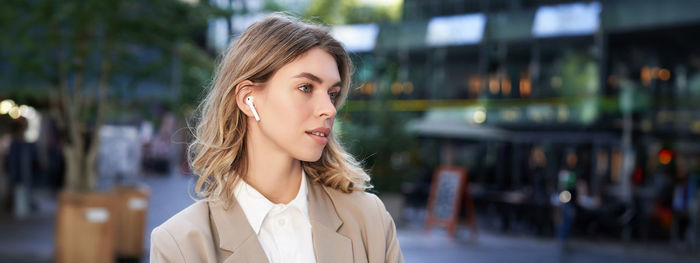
6,106
14,112
479,116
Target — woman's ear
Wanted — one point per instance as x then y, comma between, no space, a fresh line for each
243,90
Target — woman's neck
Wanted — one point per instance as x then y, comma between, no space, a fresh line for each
275,174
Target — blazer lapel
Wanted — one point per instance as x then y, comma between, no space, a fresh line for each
329,245
234,235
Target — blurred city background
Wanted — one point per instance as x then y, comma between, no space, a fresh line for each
576,123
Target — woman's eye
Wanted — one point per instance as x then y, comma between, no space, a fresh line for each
305,88
334,95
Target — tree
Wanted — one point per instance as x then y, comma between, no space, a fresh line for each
337,12
80,49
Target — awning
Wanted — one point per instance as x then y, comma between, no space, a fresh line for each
457,130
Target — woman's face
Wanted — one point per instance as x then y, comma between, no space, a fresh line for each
297,102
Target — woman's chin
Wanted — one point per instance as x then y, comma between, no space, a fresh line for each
310,157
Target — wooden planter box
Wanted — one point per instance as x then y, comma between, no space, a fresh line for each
132,207
85,227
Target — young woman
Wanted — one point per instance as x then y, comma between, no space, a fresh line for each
277,186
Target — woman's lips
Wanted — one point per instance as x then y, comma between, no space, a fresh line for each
320,139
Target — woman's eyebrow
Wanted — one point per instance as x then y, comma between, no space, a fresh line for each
314,78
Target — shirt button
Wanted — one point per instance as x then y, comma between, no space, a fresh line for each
281,222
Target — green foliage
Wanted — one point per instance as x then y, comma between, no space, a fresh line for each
694,85
579,73
633,98
273,6
337,12
89,54
378,138
143,39
369,14
197,73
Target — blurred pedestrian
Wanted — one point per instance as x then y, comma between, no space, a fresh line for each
21,164
541,190
55,167
567,197
277,184
694,212
684,191
5,191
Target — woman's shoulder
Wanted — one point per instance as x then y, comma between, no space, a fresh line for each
193,217
358,203
191,221
365,218
187,234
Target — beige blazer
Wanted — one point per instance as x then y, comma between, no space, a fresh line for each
351,227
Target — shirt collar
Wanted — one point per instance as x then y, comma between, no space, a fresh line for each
256,206
301,201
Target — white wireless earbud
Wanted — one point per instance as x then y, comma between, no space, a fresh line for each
249,101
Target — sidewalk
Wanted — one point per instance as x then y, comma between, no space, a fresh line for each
31,240
492,247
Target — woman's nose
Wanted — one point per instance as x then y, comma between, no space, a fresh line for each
326,108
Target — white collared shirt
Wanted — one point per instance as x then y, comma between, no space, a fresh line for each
284,230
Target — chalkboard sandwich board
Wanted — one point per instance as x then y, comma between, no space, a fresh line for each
445,200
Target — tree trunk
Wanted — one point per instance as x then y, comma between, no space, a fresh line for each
81,158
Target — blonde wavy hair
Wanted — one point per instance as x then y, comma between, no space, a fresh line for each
218,153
